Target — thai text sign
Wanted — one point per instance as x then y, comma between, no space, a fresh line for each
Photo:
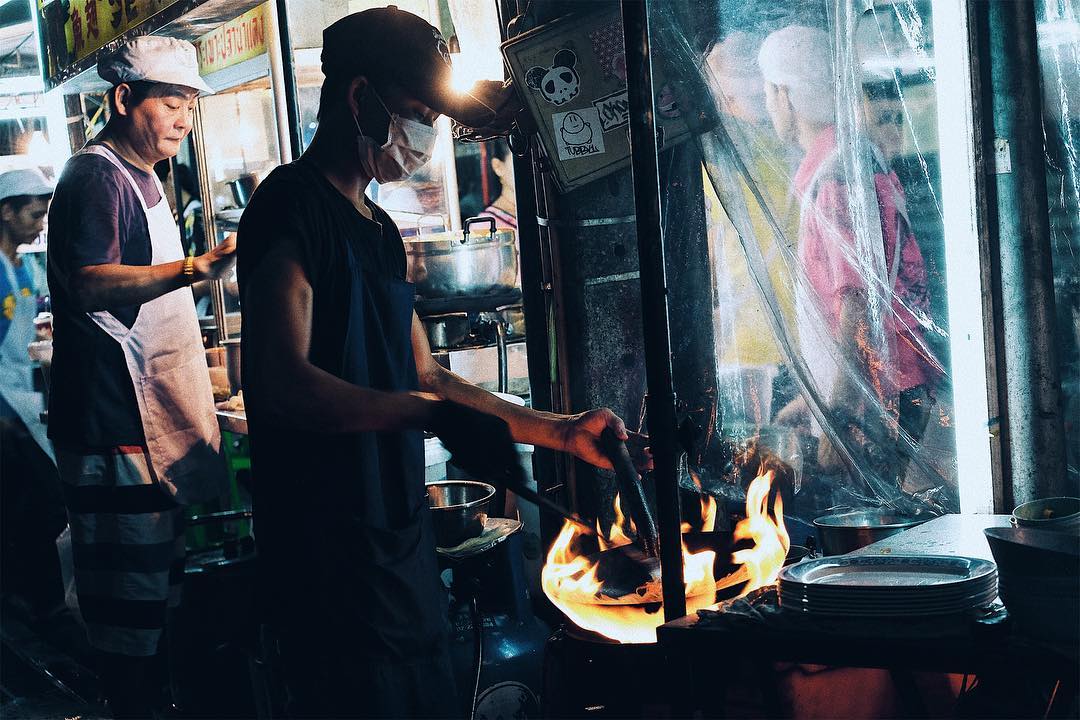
240,39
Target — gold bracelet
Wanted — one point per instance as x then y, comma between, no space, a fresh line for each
189,269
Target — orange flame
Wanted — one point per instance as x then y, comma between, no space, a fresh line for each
569,578
771,541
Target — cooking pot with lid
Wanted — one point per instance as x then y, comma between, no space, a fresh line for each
465,264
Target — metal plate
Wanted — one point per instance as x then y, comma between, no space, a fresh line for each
887,572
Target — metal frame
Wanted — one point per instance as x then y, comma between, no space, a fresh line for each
217,290
654,301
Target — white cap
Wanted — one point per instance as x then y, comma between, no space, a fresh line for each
800,59
16,183
734,62
153,58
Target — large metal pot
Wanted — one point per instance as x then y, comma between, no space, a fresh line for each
466,264
458,509
849,531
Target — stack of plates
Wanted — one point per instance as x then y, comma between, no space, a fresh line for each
888,585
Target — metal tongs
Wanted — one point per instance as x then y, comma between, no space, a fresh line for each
632,493
630,490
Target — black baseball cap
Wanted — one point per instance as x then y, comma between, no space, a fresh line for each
391,45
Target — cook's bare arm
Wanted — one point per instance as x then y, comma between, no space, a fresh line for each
278,307
98,287
576,434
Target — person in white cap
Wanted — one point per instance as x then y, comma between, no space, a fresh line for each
862,290
131,410
30,500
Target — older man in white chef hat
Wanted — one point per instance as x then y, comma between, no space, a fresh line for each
131,411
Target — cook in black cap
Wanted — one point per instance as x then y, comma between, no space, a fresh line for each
340,385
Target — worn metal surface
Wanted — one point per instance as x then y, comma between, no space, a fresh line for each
959,535
1036,438
581,281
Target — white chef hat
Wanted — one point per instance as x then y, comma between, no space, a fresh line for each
154,58
800,59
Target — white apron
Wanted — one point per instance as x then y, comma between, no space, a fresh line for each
165,360
16,368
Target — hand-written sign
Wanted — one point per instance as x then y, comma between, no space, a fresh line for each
240,39
614,110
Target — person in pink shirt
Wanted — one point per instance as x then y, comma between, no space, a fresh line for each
862,294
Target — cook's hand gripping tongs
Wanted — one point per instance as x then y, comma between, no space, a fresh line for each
634,503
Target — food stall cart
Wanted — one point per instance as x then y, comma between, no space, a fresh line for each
677,293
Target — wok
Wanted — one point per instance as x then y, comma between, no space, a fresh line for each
629,577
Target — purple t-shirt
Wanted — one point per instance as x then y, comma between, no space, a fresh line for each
95,219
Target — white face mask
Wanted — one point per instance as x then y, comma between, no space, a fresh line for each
407,148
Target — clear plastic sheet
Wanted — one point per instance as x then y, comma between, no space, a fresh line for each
1059,60
816,125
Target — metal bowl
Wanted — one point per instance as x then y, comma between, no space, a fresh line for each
1061,514
458,510
442,266
849,531
1038,582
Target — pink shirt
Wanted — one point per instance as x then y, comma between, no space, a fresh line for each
827,248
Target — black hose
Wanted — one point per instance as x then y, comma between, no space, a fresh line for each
478,629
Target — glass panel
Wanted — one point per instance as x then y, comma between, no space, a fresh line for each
1059,58
240,150
818,128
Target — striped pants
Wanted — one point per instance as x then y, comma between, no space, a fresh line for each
127,539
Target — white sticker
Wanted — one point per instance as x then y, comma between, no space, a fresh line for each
1002,156
614,110
578,133
559,83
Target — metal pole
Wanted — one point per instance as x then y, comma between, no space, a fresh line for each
1035,417
654,301
206,190
283,82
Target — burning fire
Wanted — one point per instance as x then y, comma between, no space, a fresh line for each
569,578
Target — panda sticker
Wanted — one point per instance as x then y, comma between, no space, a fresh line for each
559,84
578,133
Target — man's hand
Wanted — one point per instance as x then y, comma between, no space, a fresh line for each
582,438
479,443
215,264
